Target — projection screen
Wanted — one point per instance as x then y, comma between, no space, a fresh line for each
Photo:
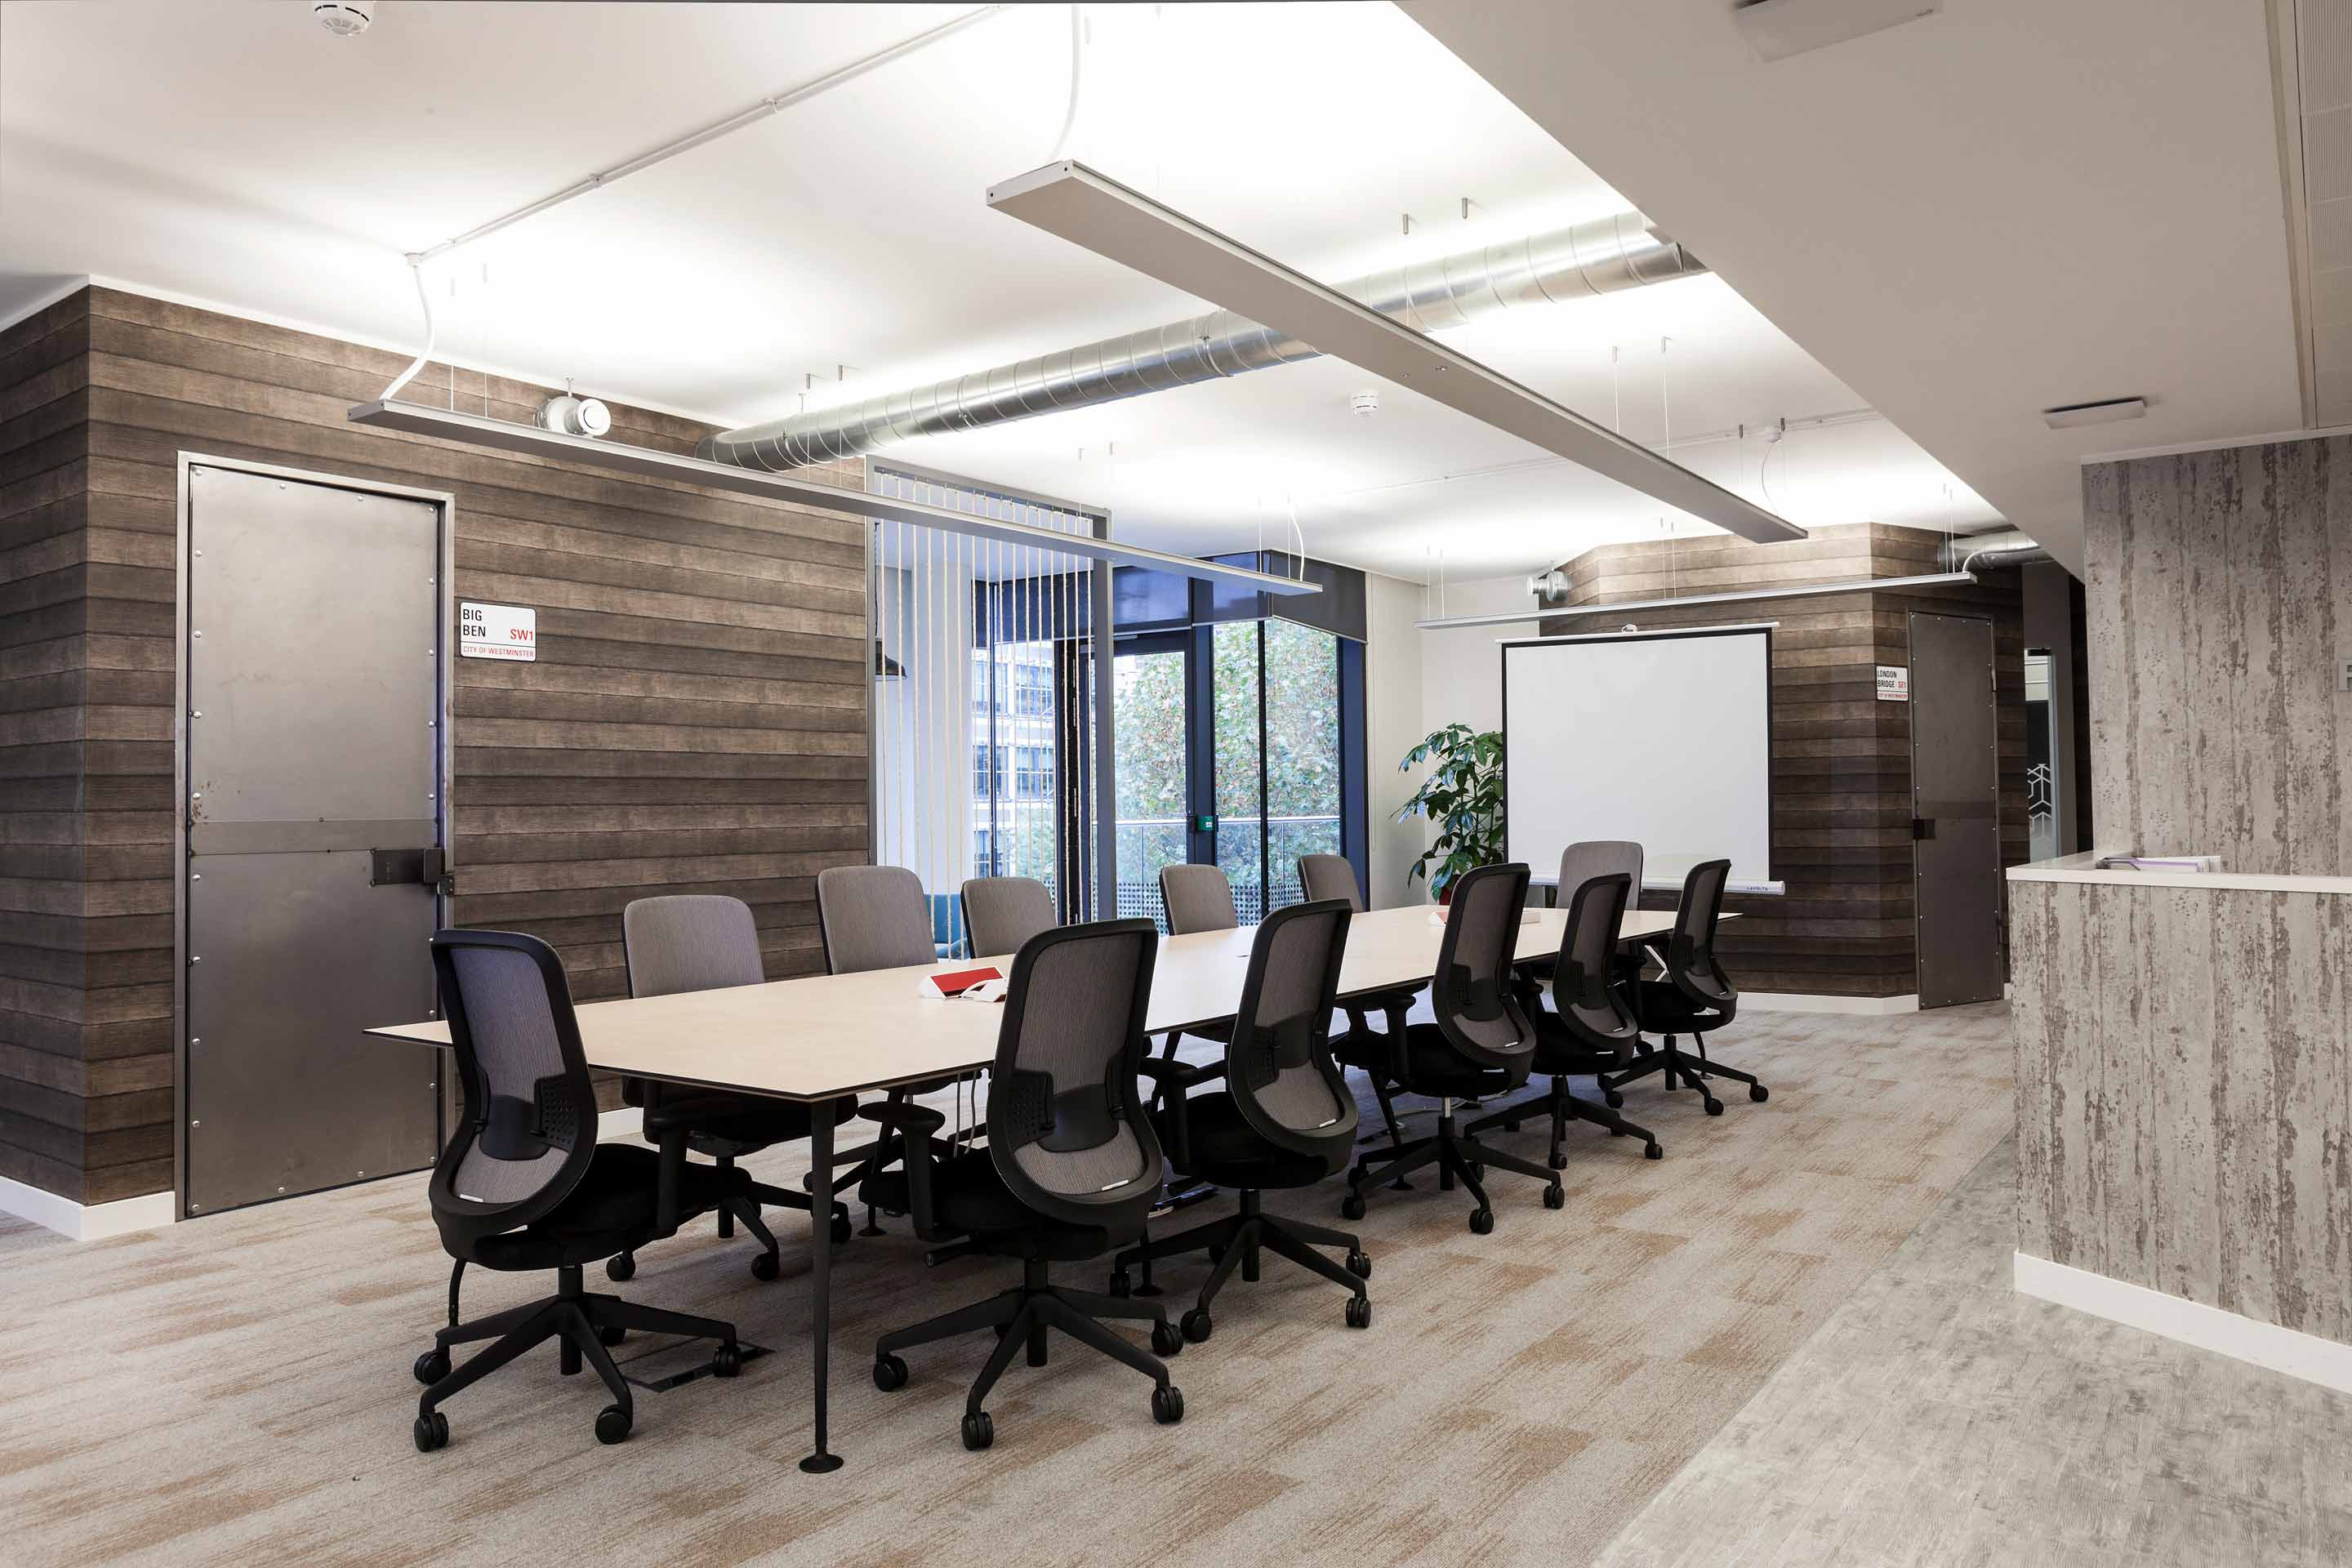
1663,738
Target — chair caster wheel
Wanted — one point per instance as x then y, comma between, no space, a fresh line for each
1121,1284
1003,1329
889,1373
726,1361
766,1267
1510,1127
431,1367
979,1431
613,1335
1714,1106
1166,1340
1559,1162
612,1425
1478,1170
621,1268
841,1231
1216,1255
1554,1197
1482,1222
1653,1152
1168,1405
1197,1325
1359,1312
1352,1207
1359,1264
1759,1093
1613,1099
431,1431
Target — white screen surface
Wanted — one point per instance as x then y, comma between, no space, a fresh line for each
1665,740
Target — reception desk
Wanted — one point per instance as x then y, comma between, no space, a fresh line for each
2184,1105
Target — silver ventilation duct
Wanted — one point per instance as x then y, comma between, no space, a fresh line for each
1602,257
1999,547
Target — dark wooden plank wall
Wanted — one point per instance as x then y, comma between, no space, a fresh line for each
1841,758
696,718
84,1102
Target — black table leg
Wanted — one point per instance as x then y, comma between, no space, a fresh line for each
821,1273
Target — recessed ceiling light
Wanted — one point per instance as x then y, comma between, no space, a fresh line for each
2066,416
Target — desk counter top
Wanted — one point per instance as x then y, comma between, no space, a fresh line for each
2084,868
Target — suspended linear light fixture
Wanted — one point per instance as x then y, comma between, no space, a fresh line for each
1746,595
453,425
1092,210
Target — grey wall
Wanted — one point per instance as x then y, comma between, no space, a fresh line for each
2184,1092
2218,593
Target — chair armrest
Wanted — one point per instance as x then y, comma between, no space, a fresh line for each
1166,1074
904,1117
1171,1081
669,1183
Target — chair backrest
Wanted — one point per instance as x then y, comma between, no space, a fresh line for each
1002,913
1581,989
872,917
528,1131
1197,898
1690,955
689,941
1329,877
1580,863
1471,992
1066,1126
1279,1062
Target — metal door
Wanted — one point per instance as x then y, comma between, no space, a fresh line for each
1955,810
312,769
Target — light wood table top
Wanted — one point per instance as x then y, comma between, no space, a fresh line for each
823,1035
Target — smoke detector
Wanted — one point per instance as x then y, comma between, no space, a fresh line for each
1365,403
573,415
344,18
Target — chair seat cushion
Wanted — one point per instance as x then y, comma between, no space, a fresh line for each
969,1198
614,1209
1560,1049
736,1125
1432,1066
1226,1150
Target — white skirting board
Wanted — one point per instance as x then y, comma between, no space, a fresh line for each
96,1222
1805,1002
86,1222
2324,1362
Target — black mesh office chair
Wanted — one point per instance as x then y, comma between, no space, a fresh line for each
1070,1170
875,917
1332,877
1480,1045
1695,998
701,942
523,1184
1002,913
1588,1031
1285,1118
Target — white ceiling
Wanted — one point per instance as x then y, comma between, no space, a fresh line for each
2002,207
231,151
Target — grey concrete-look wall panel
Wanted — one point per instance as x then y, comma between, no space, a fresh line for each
2218,590
2184,1092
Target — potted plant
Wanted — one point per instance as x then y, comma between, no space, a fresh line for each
1462,798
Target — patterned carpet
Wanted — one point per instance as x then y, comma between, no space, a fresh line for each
237,1391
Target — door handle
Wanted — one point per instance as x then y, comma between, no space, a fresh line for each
409,868
1922,828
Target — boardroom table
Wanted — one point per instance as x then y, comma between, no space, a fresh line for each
825,1038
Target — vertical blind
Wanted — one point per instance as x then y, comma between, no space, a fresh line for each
983,700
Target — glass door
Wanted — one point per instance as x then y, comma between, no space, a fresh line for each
1151,755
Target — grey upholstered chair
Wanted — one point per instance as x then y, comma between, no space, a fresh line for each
1197,899
873,917
701,942
1334,877
1002,913
1283,1117
1071,1168
1579,864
